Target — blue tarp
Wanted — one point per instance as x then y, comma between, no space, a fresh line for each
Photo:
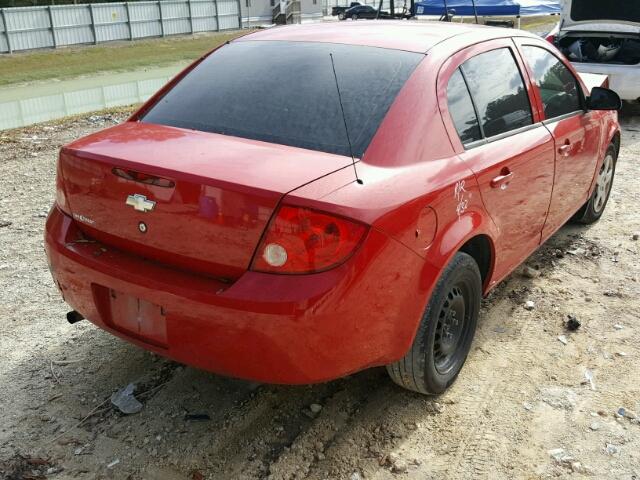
539,7
489,7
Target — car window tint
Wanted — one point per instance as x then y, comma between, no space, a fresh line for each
285,93
461,109
498,90
558,86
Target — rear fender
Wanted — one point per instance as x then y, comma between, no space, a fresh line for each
474,222
449,241
461,216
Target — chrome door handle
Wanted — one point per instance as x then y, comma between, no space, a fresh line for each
502,180
565,150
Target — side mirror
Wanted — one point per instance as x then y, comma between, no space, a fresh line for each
604,99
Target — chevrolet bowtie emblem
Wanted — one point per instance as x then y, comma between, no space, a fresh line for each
140,203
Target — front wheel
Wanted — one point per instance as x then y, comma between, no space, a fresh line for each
341,16
444,337
354,16
594,208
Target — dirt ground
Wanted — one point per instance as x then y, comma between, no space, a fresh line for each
522,395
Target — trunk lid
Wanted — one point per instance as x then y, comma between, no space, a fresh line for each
204,198
613,16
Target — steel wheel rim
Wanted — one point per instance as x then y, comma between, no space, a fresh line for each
452,329
603,184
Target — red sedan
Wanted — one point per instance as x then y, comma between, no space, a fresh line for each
309,201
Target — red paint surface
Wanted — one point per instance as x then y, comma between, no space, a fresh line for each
185,289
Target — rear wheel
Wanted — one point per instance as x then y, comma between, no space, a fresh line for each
594,208
444,337
354,16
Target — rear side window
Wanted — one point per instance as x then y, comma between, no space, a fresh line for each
558,86
285,93
461,109
498,91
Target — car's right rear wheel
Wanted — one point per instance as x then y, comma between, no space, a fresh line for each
447,328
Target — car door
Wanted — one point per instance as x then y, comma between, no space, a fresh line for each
576,132
496,127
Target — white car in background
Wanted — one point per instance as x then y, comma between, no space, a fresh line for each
603,37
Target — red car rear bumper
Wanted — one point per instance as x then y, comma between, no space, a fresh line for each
271,328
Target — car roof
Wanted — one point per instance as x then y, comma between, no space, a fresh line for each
413,36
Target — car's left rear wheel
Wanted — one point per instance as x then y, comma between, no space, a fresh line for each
444,337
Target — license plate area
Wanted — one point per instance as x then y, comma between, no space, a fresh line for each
137,318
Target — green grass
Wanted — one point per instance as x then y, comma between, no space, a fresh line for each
120,56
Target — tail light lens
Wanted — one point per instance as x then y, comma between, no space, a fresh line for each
551,39
61,196
300,240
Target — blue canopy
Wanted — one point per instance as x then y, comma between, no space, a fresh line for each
489,7
539,7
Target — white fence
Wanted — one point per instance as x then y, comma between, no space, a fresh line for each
26,28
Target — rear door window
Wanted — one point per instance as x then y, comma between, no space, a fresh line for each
285,93
499,92
558,87
461,110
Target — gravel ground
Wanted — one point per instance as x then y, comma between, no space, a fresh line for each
522,408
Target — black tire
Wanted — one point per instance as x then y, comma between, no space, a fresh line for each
431,365
341,16
354,16
591,211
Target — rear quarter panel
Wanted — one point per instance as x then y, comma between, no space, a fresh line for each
415,190
415,187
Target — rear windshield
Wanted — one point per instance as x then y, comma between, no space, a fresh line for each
600,10
285,93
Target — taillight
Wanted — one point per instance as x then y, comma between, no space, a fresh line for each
61,196
300,240
551,39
